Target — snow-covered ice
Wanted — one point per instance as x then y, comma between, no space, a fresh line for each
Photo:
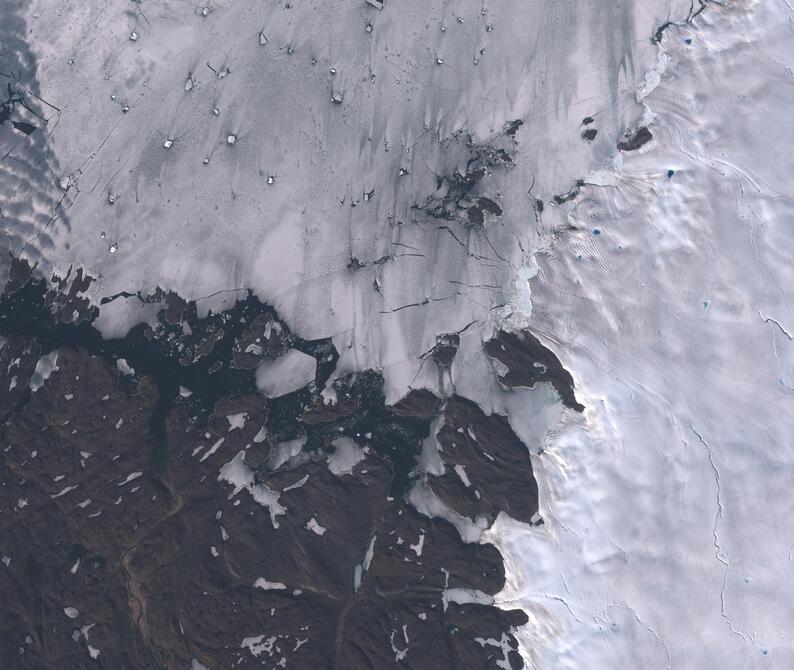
668,519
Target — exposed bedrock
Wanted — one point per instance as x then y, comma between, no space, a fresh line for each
158,510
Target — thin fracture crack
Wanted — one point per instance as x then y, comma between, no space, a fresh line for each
421,303
769,319
693,14
718,552
29,92
548,596
407,246
226,290
645,625
465,247
485,286
720,508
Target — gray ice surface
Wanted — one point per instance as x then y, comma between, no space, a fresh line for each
158,196
288,373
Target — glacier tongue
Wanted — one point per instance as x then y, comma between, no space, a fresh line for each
315,204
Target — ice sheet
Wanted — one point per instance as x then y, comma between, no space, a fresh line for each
668,534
